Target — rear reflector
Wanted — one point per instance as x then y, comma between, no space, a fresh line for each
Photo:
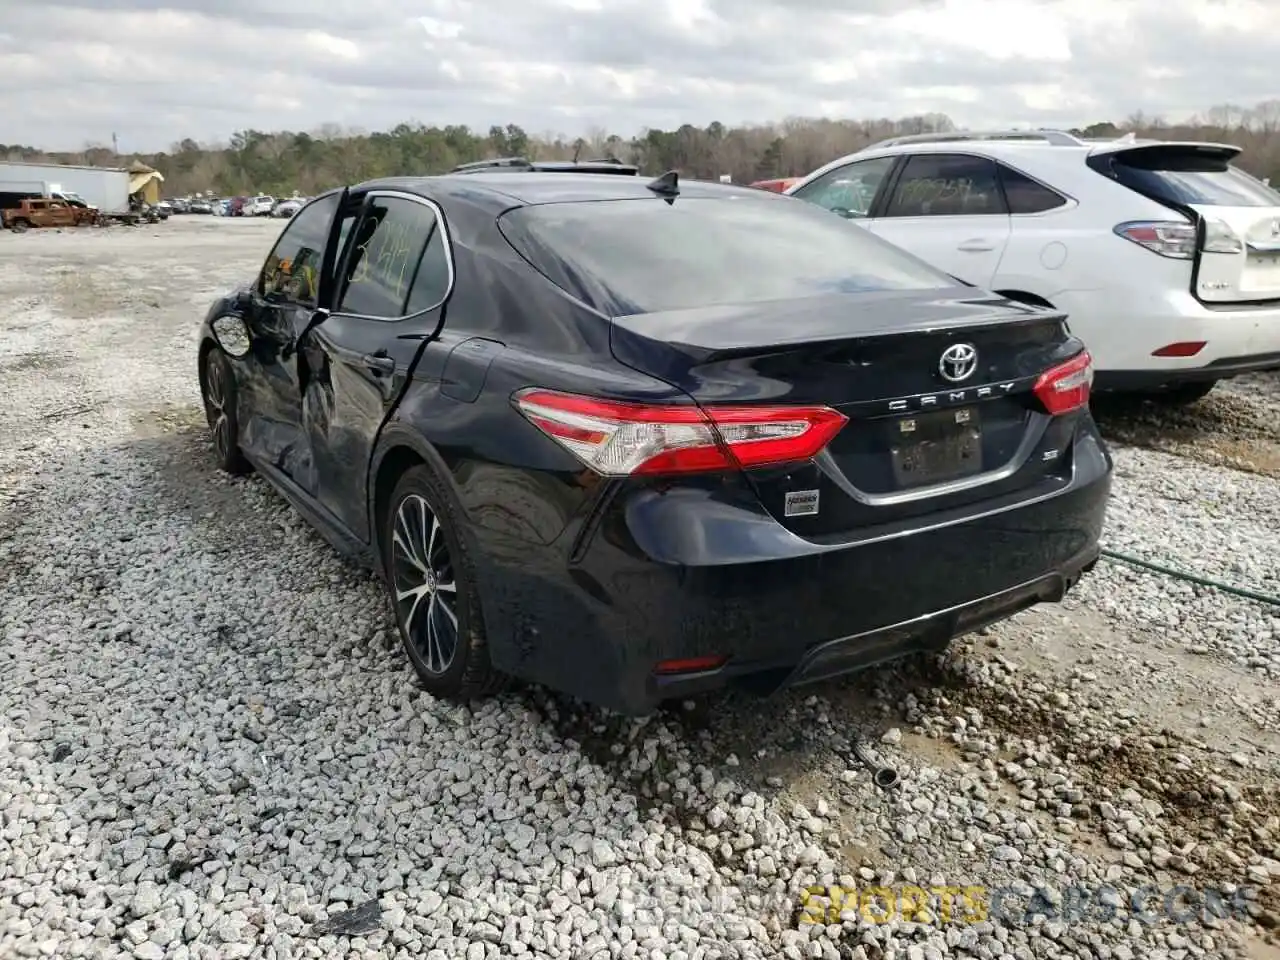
1174,239
1185,348
689,665
618,439
1066,387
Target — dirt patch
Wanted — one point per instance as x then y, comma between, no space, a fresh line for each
1256,948
1224,816
34,361
1206,700
1224,429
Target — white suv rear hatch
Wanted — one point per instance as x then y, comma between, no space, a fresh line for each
1239,243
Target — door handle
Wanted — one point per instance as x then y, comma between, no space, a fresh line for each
977,245
380,365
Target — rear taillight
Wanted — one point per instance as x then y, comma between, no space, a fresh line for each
1220,238
1066,387
1175,239
624,439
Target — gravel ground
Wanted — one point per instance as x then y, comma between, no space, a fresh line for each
211,744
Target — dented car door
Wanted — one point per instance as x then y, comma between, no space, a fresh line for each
388,301
284,303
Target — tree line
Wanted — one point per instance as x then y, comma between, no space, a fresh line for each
256,161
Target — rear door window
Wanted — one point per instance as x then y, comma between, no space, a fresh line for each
627,257
1186,175
431,284
386,248
947,185
1025,195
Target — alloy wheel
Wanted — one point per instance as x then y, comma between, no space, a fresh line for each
426,588
215,404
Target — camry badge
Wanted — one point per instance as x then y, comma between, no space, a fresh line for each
958,362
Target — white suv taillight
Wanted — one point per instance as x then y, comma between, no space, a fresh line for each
1177,239
618,439
1174,239
1220,238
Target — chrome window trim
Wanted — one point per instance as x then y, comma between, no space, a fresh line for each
1069,201
442,228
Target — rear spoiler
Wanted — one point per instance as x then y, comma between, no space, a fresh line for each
1208,150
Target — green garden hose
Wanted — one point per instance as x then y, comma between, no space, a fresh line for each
1125,558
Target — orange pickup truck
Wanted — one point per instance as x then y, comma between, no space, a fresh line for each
46,213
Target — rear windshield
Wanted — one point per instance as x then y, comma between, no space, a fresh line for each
626,257
1192,178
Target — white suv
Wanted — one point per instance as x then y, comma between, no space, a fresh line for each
259,206
1165,256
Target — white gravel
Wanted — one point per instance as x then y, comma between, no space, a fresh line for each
211,745
1210,523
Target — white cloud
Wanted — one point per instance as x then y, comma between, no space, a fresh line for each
156,71
335,46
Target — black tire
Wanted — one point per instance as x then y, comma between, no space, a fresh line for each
1184,394
423,519
218,389
20,226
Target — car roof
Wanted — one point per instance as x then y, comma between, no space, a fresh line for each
1013,149
505,190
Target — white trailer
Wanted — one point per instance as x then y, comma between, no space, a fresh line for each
106,188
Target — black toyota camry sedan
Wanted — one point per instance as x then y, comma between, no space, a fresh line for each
636,439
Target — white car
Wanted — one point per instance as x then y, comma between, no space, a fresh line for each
1165,256
287,208
260,206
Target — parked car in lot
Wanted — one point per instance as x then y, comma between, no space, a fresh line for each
259,206
639,439
778,185
43,212
1164,255
286,208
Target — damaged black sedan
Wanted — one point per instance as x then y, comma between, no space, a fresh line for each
639,439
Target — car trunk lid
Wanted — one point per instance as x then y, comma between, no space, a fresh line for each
1238,245
938,388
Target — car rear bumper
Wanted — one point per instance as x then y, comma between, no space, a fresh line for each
595,613
1155,380
930,632
1124,328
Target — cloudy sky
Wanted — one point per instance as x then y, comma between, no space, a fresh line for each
155,71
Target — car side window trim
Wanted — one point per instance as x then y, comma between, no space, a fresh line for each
1068,199
901,172
440,230
887,186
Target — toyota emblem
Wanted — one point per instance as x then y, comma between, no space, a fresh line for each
958,362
